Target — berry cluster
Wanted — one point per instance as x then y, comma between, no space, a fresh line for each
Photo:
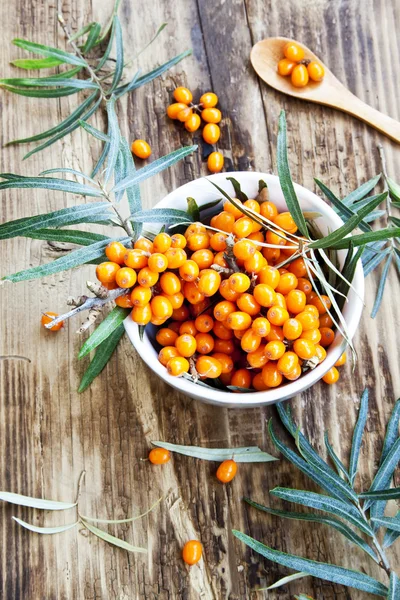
301,70
227,311
185,111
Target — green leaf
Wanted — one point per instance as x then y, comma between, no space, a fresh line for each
69,236
287,579
36,63
91,40
35,502
155,167
51,183
389,494
385,472
375,261
390,522
119,521
372,250
238,190
94,132
391,535
78,84
131,86
115,136
68,170
64,263
325,571
106,327
33,93
286,180
336,460
358,435
111,539
361,191
119,64
101,358
323,519
101,160
45,530
366,238
394,587
251,454
49,52
381,287
392,431
331,240
58,218
320,502
162,215
345,212
107,52
394,189
193,209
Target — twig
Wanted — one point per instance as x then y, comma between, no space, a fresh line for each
125,223
80,482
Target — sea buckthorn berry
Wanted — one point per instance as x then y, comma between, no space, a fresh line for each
276,238
162,242
47,318
243,227
269,275
331,376
174,325
287,362
327,336
208,100
208,367
315,70
293,51
292,329
136,259
192,552
341,361
239,320
258,383
195,228
203,258
209,282
268,210
189,271
239,333
170,283
188,327
241,378
218,242
271,254
223,309
280,300
224,346
250,341
322,304
320,352
211,115
204,323
159,456
198,241
304,285
192,293
176,299
305,349
255,263
177,366
125,277
157,262
313,335
258,358
124,301
226,471
239,282
256,236
277,315
308,320
224,221
296,301
271,376
161,307
261,326
178,241
285,67
183,95
184,114
244,249
225,360
157,321
147,278
143,244
299,76
141,314
298,267
286,221
215,161
176,257
313,310
248,304
295,374
181,314
287,283
232,209
219,259
140,296
115,252
211,133
275,349
227,292
107,271
205,343
141,149
275,333
186,345
264,294
166,353
174,109
325,320
166,337
221,331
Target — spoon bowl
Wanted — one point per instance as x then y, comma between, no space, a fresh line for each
265,56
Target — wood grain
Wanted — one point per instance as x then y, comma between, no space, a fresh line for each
49,433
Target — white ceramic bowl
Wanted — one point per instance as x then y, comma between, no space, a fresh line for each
204,192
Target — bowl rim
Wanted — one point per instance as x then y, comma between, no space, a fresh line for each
274,395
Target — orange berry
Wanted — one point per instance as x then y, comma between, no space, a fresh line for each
221,331
215,160
115,252
244,249
295,374
140,296
161,307
258,383
211,133
292,329
280,300
162,242
176,257
243,227
277,238
286,222
287,363
141,314
176,299
141,149
241,378
239,282
271,375
315,70
331,376
252,205
147,278
296,301
298,267
211,115
323,304
293,51
248,304
166,353
255,263
258,358
177,366
186,345
269,275
313,335
304,285
184,114
231,208
327,336
265,295
268,210
143,244
313,310
195,228
227,292
321,352
287,283
204,323
125,277
218,242
209,100
124,301
198,241
285,67
181,314
170,283
271,254
47,318
261,326
159,456
275,333
189,271
208,367
250,341
205,343
225,360
223,309
226,471
174,109
341,361
224,221
275,349
308,320
209,282
166,337
192,552
224,346
192,293
325,320
239,321
136,259
299,76
178,241
188,327
182,95
305,349
107,271
157,321
157,262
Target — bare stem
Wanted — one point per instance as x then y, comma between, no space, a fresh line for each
125,223
384,171
384,563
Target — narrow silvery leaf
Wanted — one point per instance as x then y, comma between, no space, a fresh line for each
101,160
247,454
30,64
389,494
336,460
39,93
381,287
130,86
114,134
365,238
94,132
394,189
358,435
106,327
390,522
52,183
45,530
68,170
372,250
392,431
375,261
69,236
325,571
107,52
286,580
391,535
103,354
35,502
119,64
65,57
385,472
91,40
111,539
239,194
162,215
80,84
361,191
394,587
376,214
120,521
344,211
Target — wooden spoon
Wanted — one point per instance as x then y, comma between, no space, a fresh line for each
265,56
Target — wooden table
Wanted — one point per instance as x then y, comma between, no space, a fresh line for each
49,433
